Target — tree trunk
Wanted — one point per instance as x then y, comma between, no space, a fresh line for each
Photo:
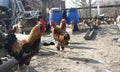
43,10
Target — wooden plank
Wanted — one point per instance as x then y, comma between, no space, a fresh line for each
5,67
89,34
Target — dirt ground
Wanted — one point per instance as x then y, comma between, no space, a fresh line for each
99,55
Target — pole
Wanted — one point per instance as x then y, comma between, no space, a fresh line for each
98,8
90,7
43,8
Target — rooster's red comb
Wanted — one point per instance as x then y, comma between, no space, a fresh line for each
63,21
41,21
52,24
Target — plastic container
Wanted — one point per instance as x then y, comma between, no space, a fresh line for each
72,14
55,15
4,4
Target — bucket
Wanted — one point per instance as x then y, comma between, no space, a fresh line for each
55,16
72,14
4,4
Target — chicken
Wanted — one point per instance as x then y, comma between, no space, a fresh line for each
19,26
53,24
63,25
110,20
92,21
61,37
25,49
70,27
97,21
82,24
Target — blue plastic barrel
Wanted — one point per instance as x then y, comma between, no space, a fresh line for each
72,14
4,4
55,15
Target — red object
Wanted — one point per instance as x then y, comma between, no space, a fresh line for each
41,21
42,28
52,24
63,21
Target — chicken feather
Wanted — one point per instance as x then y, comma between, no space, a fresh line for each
25,49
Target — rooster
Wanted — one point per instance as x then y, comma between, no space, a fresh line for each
61,37
63,25
25,49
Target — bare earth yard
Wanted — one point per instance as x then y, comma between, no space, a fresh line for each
99,55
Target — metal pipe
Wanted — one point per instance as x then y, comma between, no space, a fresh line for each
98,8
20,5
90,7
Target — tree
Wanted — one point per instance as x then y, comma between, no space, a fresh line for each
112,11
47,4
117,8
43,8
84,3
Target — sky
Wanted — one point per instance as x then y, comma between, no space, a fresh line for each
70,4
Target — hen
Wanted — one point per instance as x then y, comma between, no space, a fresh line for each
110,20
61,37
25,49
70,27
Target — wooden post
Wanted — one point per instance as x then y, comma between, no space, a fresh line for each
43,8
90,8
